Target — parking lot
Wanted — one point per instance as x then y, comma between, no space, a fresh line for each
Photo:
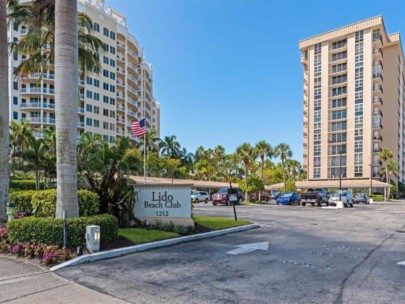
314,255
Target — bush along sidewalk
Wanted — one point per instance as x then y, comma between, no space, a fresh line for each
42,238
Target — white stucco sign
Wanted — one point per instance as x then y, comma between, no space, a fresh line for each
164,203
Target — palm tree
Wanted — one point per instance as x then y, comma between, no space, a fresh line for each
294,168
385,156
4,113
20,135
187,159
66,80
170,147
284,152
247,155
39,42
264,150
35,158
151,140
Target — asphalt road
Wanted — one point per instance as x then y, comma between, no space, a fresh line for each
315,256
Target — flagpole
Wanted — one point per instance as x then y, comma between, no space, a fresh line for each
144,158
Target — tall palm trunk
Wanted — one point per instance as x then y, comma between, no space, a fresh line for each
4,113
246,182
282,163
387,177
66,85
261,177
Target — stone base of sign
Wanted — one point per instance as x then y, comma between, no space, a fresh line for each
177,221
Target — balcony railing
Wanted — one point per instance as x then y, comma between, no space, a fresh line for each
37,90
38,105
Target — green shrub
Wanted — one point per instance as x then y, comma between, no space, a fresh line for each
46,201
22,200
25,184
50,230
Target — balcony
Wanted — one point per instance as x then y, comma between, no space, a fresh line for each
121,58
39,120
377,39
377,138
378,54
120,121
81,82
121,83
377,123
37,91
121,95
377,101
121,108
376,150
378,89
133,114
80,110
81,96
121,44
121,71
37,105
80,124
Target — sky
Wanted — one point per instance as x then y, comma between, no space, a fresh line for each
229,72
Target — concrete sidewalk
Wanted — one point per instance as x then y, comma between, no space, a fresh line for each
23,282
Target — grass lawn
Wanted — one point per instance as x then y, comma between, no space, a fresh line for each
141,235
218,223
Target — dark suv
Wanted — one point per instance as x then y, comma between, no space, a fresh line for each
221,197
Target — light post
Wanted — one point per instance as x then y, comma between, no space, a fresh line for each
340,174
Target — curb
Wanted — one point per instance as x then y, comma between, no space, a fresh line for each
88,258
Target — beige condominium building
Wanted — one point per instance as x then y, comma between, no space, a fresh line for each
353,101
109,102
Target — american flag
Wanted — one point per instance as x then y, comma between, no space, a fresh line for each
138,128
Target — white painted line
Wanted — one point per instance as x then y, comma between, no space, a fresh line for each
87,258
245,248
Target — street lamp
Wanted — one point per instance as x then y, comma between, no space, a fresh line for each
340,174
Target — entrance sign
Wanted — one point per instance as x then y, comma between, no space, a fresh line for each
164,203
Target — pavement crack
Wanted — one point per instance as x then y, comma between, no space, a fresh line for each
24,276
32,293
339,298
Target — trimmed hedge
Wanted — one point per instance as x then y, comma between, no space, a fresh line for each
50,230
46,199
28,184
22,200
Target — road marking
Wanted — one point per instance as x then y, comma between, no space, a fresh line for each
401,263
245,248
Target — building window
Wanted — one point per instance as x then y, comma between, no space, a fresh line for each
112,127
105,73
15,85
339,44
15,115
112,88
112,62
89,80
106,32
96,110
112,114
89,94
96,123
96,83
89,108
105,99
112,50
96,27
112,75
89,121
339,114
15,100
106,47
105,125
105,112
96,96
112,35
339,91
105,59
317,172
112,101
339,56
338,103
105,86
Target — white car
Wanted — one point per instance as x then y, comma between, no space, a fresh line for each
199,196
345,196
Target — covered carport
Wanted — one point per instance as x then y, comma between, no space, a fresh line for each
329,184
209,186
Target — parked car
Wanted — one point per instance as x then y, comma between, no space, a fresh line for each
221,197
275,195
199,196
314,196
361,198
289,198
345,196
264,196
